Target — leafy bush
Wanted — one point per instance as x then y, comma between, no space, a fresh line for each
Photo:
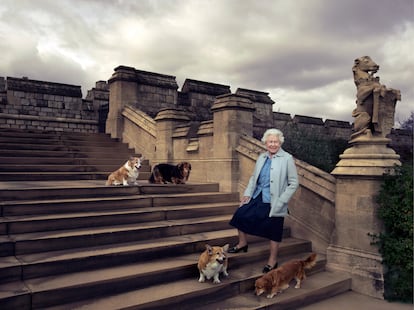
396,242
315,149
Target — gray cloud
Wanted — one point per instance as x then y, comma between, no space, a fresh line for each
300,51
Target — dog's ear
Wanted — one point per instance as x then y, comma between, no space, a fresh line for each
275,277
265,283
226,247
189,166
209,249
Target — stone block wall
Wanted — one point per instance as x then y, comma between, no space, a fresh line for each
261,102
198,97
98,96
148,91
37,105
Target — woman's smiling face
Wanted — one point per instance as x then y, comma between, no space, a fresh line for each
272,144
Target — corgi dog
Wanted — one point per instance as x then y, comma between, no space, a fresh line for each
212,262
127,174
278,279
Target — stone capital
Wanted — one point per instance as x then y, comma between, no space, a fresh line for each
232,102
367,157
172,115
123,73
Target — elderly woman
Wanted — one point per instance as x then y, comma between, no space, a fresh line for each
264,203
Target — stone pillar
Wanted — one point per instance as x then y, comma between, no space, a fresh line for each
359,178
166,121
122,91
232,117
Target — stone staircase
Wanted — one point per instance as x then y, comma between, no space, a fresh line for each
75,244
51,156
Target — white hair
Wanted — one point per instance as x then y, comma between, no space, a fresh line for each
273,132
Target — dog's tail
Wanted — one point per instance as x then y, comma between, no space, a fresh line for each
310,261
151,178
154,177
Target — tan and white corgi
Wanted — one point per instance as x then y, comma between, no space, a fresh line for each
212,262
127,174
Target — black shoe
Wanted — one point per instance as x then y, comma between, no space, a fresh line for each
236,249
267,268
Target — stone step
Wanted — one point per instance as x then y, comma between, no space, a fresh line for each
66,161
68,154
70,205
29,266
92,188
60,176
48,222
86,237
183,291
28,168
56,135
69,147
316,287
105,141
138,276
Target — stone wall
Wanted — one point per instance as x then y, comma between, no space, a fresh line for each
198,97
150,92
98,96
261,102
37,105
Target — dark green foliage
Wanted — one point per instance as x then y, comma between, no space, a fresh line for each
396,242
408,123
315,149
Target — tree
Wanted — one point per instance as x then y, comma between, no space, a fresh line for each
408,123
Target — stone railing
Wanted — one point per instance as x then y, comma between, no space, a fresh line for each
139,131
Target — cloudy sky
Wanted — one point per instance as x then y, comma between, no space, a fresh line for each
300,51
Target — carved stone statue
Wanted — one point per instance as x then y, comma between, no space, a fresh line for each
375,103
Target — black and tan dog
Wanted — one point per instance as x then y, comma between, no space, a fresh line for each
167,173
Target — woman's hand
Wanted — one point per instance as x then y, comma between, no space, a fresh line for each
244,200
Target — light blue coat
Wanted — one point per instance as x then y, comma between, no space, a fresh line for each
283,181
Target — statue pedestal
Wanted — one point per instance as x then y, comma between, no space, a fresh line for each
367,156
359,178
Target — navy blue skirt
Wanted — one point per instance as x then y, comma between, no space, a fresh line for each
253,218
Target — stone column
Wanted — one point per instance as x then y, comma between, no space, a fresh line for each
166,121
122,91
359,178
232,117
